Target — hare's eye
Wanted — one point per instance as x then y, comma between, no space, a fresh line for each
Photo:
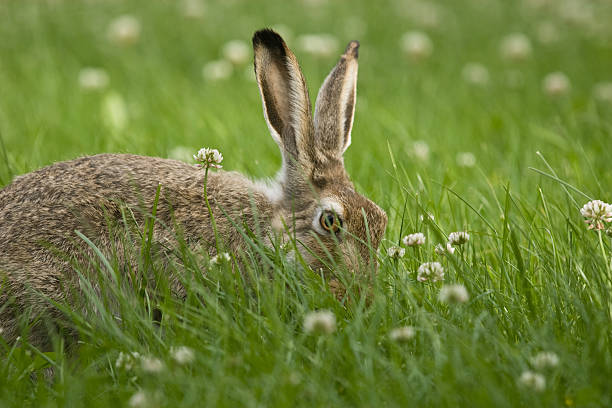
330,222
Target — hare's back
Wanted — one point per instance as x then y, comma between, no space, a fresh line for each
45,205
101,174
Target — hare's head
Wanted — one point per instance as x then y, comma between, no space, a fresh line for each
331,221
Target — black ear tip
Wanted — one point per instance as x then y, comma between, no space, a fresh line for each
268,38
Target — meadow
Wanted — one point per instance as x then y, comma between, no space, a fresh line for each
491,117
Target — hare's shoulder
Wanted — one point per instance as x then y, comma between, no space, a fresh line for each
114,166
105,175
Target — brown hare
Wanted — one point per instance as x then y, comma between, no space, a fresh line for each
45,215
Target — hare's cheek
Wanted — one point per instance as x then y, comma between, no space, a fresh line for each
320,252
351,258
358,257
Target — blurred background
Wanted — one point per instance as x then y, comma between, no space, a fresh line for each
462,106
447,89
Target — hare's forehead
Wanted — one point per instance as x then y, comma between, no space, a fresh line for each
350,205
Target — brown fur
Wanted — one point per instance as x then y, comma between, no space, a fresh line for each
40,211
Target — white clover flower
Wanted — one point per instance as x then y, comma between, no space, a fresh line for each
193,8
417,45
320,45
139,400
453,294
222,257
596,213
127,361
124,30
151,365
320,322
207,157
237,52
515,47
402,334
217,70
417,238
458,238
92,79
421,150
114,111
475,74
182,354
556,84
432,271
466,159
442,250
396,252
602,92
544,360
530,379
429,215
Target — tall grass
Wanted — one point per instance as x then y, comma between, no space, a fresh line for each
537,279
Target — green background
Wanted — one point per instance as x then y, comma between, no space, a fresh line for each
538,280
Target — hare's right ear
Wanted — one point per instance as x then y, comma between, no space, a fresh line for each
284,94
335,104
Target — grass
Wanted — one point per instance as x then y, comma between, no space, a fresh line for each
538,279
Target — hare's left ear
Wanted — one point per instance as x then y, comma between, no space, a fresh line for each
335,105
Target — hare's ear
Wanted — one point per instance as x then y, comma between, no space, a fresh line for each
335,105
283,92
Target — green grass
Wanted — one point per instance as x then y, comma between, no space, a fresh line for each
538,279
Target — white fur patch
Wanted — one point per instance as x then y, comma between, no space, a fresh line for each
272,189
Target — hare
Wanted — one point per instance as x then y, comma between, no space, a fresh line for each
45,214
